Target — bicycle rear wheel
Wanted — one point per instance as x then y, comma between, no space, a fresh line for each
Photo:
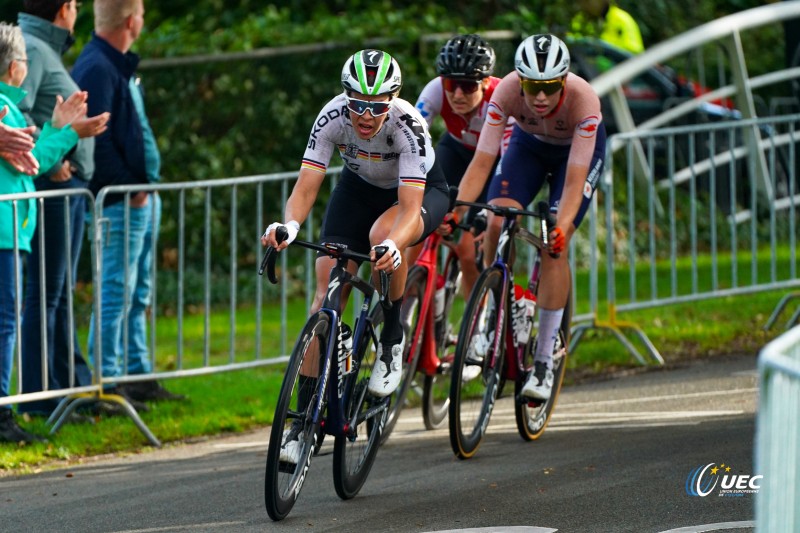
293,431
533,416
412,320
354,452
475,380
436,387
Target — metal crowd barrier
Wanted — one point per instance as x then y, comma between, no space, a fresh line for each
778,435
706,225
683,238
39,198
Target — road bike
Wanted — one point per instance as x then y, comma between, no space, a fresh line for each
430,333
324,390
487,353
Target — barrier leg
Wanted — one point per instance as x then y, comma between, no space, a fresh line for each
779,309
71,403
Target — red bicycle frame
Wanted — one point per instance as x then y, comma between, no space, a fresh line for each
428,259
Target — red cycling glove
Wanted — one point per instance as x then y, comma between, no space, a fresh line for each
451,220
557,240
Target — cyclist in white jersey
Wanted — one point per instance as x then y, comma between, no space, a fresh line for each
559,137
391,192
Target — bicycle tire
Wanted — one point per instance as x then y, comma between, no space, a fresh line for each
354,453
283,480
412,320
532,417
436,387
468,418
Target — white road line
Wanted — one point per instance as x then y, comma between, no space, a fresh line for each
642,399
713,527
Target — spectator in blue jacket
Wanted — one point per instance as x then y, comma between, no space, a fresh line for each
47,26
18,219
125,155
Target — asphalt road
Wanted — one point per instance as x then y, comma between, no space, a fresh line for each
615,458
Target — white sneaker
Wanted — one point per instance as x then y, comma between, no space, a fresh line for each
540,383
290,450
386,374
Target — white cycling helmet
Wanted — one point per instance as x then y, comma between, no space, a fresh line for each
542,57
371,72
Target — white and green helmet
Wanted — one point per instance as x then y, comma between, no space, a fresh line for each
371,72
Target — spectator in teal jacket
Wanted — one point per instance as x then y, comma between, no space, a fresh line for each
47,26
17,224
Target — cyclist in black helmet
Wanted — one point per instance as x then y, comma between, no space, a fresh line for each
461,95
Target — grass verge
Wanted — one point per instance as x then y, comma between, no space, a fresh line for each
244,400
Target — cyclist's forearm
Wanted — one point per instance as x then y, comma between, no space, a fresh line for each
303,196
475,177
571,197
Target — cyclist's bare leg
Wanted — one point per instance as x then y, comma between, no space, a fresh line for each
494,225
466,261
552,297
412,253
379,232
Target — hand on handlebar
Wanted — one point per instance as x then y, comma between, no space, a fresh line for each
391,259
557,240
268,239
449,223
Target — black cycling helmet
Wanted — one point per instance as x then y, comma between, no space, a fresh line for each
466,56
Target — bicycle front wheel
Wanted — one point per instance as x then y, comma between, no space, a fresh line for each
354,452
475,379
412,320
436,387
294,433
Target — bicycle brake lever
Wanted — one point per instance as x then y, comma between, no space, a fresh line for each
380,251
548,221
271,256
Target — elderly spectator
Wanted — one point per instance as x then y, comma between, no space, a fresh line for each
67,125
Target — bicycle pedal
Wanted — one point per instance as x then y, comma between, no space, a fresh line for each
530,402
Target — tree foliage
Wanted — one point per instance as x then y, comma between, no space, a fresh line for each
219,119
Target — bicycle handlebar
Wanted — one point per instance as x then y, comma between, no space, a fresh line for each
332,250
542,213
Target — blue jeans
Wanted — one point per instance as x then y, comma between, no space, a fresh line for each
59,334
8,317
143,230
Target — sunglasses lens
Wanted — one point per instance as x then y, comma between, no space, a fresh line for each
549,87
379,108
466,86
359,107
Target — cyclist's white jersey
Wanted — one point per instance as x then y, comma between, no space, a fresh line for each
400,154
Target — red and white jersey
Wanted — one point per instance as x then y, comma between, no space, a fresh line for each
432,102
573,122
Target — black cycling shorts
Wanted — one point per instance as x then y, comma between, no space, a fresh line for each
355,205
455,158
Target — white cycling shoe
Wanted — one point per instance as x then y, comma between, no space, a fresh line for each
290,451
539,385
387,371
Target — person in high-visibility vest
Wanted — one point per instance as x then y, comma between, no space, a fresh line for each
606,21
